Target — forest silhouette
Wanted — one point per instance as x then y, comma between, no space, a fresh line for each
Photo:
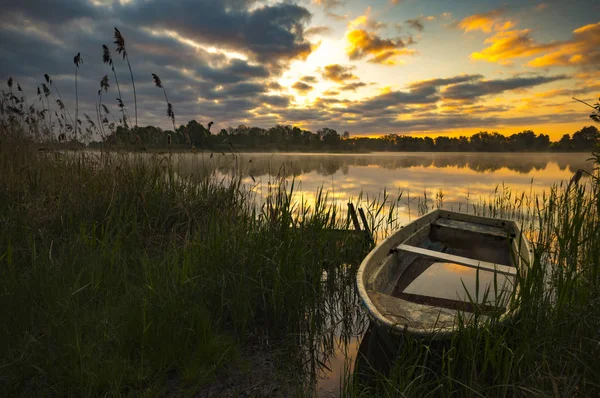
292,138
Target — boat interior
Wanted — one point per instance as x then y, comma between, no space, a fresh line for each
451,264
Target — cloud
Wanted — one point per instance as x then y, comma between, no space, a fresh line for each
302,88
582,50
233,90
352,86
365,43
317,30
474,90
327,4
486,22
415,24
419,23
267,34
226,70
365,20
274,86
373,48
338,73
309,79
506,45
277,101
440,82
58,12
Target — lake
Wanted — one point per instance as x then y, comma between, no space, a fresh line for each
463,179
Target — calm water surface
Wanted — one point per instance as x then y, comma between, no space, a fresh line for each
463,178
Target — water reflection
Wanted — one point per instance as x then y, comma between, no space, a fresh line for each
454,181
297,164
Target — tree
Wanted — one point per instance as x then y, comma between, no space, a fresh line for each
585,139
329,136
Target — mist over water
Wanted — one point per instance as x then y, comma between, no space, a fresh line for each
463,178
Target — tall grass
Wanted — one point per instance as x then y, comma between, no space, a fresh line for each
117,274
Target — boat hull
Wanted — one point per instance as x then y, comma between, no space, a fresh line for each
385,295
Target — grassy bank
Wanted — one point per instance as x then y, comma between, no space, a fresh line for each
117,276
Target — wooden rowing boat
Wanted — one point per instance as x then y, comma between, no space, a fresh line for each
421,277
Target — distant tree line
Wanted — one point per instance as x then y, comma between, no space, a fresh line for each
195,135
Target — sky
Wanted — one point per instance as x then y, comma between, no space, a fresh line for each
418,67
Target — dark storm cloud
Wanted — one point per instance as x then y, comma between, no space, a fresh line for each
268,33
469,91
50,11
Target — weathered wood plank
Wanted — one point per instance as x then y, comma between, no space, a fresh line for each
467,262
471,227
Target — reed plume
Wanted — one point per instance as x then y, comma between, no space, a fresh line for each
77,60
120,42
64,109
170,112
103,87
107,58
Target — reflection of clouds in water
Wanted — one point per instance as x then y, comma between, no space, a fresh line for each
347,176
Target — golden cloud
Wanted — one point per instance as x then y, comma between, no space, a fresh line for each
362,44
582,49
505,45
338,73
486,22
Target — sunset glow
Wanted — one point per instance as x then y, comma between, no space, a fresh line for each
371,68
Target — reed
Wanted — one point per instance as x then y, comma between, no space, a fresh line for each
120,42
107,59
77,60
170,113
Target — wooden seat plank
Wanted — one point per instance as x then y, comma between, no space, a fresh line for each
467,262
